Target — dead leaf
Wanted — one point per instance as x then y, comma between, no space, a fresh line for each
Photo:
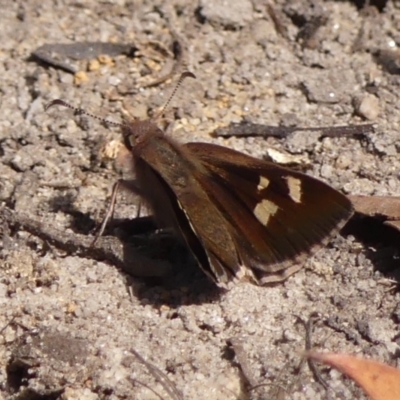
373,206
379,381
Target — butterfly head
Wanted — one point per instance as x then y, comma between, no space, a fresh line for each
136,133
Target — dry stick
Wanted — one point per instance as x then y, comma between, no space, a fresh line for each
278,20
271,384
245,129
241,357
180,54
7,324
147,387
337,325
62,55
174,70
124,255
308,325
314,369
247,372
160,377
108,248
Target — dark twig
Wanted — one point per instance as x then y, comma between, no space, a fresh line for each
280,389
160,377
338,325
248,373
308,325
147,387
242,360
178,49
109,248
7,324
61,55
279,20
314,369
127,255
250,129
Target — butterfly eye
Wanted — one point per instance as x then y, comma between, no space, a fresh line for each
134,138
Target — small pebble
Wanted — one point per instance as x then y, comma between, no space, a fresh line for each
368,107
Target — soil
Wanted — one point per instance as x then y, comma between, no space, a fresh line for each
71,324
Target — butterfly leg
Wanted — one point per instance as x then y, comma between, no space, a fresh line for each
150,260
129,185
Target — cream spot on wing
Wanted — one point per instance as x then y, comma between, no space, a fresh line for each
263,184
264,210
294,186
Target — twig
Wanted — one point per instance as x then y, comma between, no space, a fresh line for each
245,129
308,346
160,377
178,49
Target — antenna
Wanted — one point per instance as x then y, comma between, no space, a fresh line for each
184,75
81,111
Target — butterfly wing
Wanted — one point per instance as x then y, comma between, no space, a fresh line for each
169,180
275,216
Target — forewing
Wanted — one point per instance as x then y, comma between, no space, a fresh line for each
276,216
168,183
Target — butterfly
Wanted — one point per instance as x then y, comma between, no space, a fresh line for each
241,217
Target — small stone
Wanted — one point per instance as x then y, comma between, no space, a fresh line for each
326,171
263,32
367,106
114,80
80,77
93,65
232,14
396,313
111,150
106,60
343,161
377,330
23,160
78,394
71,308
329,87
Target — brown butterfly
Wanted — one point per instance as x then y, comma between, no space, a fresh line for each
241,217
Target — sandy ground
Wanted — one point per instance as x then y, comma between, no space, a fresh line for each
69,323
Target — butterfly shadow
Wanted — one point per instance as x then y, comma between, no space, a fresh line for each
161,269
80,222
381,243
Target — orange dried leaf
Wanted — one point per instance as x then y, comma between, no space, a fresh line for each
379,381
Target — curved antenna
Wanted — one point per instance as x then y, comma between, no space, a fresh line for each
184,75
81,111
